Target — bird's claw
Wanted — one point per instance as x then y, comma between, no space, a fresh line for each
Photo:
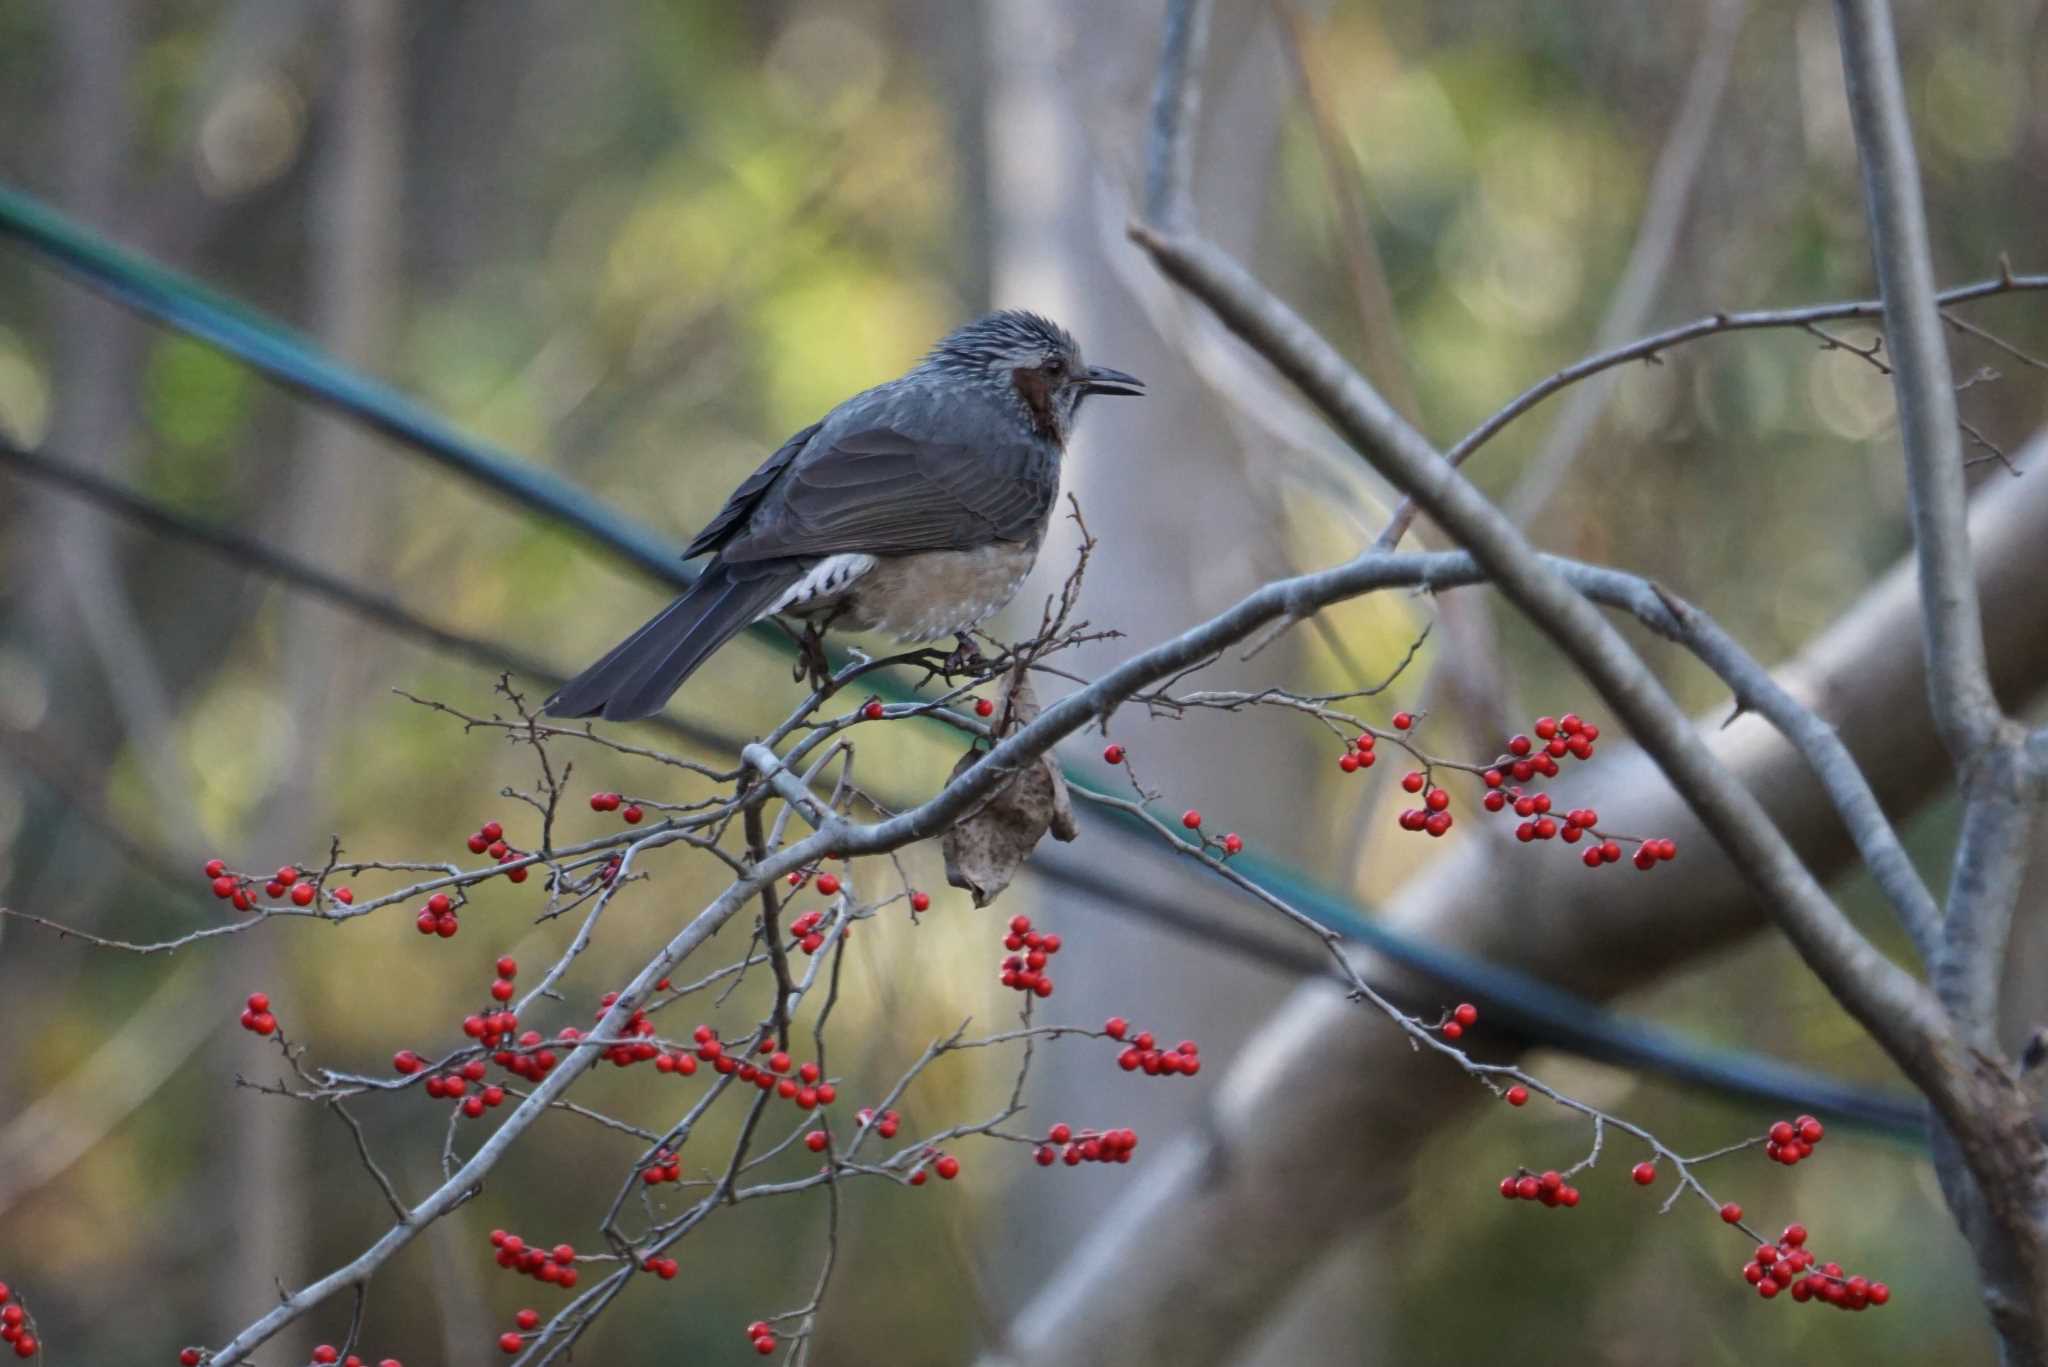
965,659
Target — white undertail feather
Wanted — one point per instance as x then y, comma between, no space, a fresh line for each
827,578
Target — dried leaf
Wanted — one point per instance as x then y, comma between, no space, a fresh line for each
985,848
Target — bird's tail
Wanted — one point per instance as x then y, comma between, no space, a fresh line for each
640,673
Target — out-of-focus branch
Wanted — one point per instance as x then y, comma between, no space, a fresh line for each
1176,104
1649,260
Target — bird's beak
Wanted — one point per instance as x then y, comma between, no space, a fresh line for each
1103,380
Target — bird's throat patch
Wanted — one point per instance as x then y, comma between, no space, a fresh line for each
1036,388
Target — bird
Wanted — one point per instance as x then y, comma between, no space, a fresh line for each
915,508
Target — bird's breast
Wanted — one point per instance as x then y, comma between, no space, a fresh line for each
933,594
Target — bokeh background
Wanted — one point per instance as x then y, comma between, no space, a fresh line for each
640,242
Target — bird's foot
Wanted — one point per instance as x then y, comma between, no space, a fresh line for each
811,665
966,658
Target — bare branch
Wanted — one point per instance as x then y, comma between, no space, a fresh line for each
1964,707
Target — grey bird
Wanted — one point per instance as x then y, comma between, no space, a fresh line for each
916,508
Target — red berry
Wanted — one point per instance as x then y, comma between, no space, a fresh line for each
1731,1213
920,901
873,711
1466,1013
1115,1027
223,886
1643,1173
947,1168
1810,1130
632,815
1232,844
815,1141
765,1344
1453,1030
1518,1095
259,1001
188,1357
1113,754
828,883
1348,762
1191,819
1795,1235
1411,782
1403,720
215,868
984,708
302,894
509,1342
326,1353
262,1022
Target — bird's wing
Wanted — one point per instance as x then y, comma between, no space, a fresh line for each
741,504
882,492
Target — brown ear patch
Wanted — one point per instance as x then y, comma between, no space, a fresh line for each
1036,388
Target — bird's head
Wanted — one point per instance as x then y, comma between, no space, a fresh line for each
1032,362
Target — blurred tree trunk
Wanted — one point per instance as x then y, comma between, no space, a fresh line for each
1183,529
334,512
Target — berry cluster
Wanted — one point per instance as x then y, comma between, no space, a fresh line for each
287,884
1062,1144
662,1267
1230,844
511,1341
1462,1018
437,917
664,1168
556,1266
323,1355
328,1353
489,838
1790,1141
1789,1266
886,1126
804,933
641,1048
944,1164
17,1328
1549,1187
610,802
807,1089
1024,969
454,1086
1143,1054
256,1017
762,1337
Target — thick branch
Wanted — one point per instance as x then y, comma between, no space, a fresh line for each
1964,707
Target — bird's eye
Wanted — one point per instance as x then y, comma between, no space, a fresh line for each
1054,366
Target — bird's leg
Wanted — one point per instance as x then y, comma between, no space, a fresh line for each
966,657
811,664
